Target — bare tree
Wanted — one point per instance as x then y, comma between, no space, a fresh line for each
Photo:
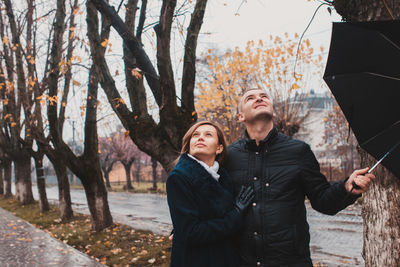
125,152
15,98
107,157
162,139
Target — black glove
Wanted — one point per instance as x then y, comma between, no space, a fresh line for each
244,198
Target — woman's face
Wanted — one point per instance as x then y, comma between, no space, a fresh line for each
204,144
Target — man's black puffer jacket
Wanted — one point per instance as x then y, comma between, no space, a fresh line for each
282,171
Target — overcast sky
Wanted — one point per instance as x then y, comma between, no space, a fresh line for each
233,23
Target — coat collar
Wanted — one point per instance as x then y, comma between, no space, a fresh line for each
194,171
252,145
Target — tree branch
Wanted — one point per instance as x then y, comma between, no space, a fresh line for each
163,31
189,67
142,59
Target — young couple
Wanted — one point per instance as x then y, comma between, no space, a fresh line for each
250,212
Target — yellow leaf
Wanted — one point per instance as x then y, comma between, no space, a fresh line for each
126,134
5,40
76,83
136,73
294,86
104,43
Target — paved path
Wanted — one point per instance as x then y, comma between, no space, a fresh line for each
23,245
336,241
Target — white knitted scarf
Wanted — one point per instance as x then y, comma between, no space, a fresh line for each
211,170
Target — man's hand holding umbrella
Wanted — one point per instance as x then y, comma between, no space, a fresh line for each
359,181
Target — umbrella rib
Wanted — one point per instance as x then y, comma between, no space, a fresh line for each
390,41
384,76
383,132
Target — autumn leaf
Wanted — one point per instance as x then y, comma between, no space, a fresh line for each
294,86
104,43
76,83
136,73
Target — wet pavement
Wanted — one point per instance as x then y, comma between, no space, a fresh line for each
335,240
23,245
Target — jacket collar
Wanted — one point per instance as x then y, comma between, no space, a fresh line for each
192,169
252,145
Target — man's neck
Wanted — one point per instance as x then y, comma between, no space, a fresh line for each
259,130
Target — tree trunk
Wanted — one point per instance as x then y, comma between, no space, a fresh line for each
154,168
7,179
64,195
1,182
127,168
381,214
23,182
96,195
41,184
138,168
381,206
107,178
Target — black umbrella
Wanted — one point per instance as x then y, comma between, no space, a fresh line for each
363,73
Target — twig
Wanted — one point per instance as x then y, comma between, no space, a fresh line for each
302,35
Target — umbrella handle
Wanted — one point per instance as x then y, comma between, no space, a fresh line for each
355,186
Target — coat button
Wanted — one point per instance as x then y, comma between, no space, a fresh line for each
267,184
255,233
254,204
255,178
258,263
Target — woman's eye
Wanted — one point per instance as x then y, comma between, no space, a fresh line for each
195,134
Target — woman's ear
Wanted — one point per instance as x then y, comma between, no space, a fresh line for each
220,148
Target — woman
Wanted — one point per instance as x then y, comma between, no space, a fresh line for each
204,213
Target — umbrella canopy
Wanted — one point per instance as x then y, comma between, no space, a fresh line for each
363,73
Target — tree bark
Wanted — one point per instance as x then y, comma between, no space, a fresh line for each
41,184
23,182
154,168
381,205
96,195
381,214
7,178
107,178
138,165
1,182
64,194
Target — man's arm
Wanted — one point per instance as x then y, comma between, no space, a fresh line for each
325,197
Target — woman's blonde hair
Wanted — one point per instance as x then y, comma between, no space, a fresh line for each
221,140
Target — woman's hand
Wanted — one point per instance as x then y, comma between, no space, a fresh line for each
244,198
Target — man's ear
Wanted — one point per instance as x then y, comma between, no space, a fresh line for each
240,117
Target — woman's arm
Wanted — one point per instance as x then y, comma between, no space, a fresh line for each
186,217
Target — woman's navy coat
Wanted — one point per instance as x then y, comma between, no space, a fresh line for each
203,216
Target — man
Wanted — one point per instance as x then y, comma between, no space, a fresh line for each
283,171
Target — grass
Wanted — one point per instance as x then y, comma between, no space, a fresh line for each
118,245
142,187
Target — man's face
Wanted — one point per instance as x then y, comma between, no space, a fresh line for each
255,104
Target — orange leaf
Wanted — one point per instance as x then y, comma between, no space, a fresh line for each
104,43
